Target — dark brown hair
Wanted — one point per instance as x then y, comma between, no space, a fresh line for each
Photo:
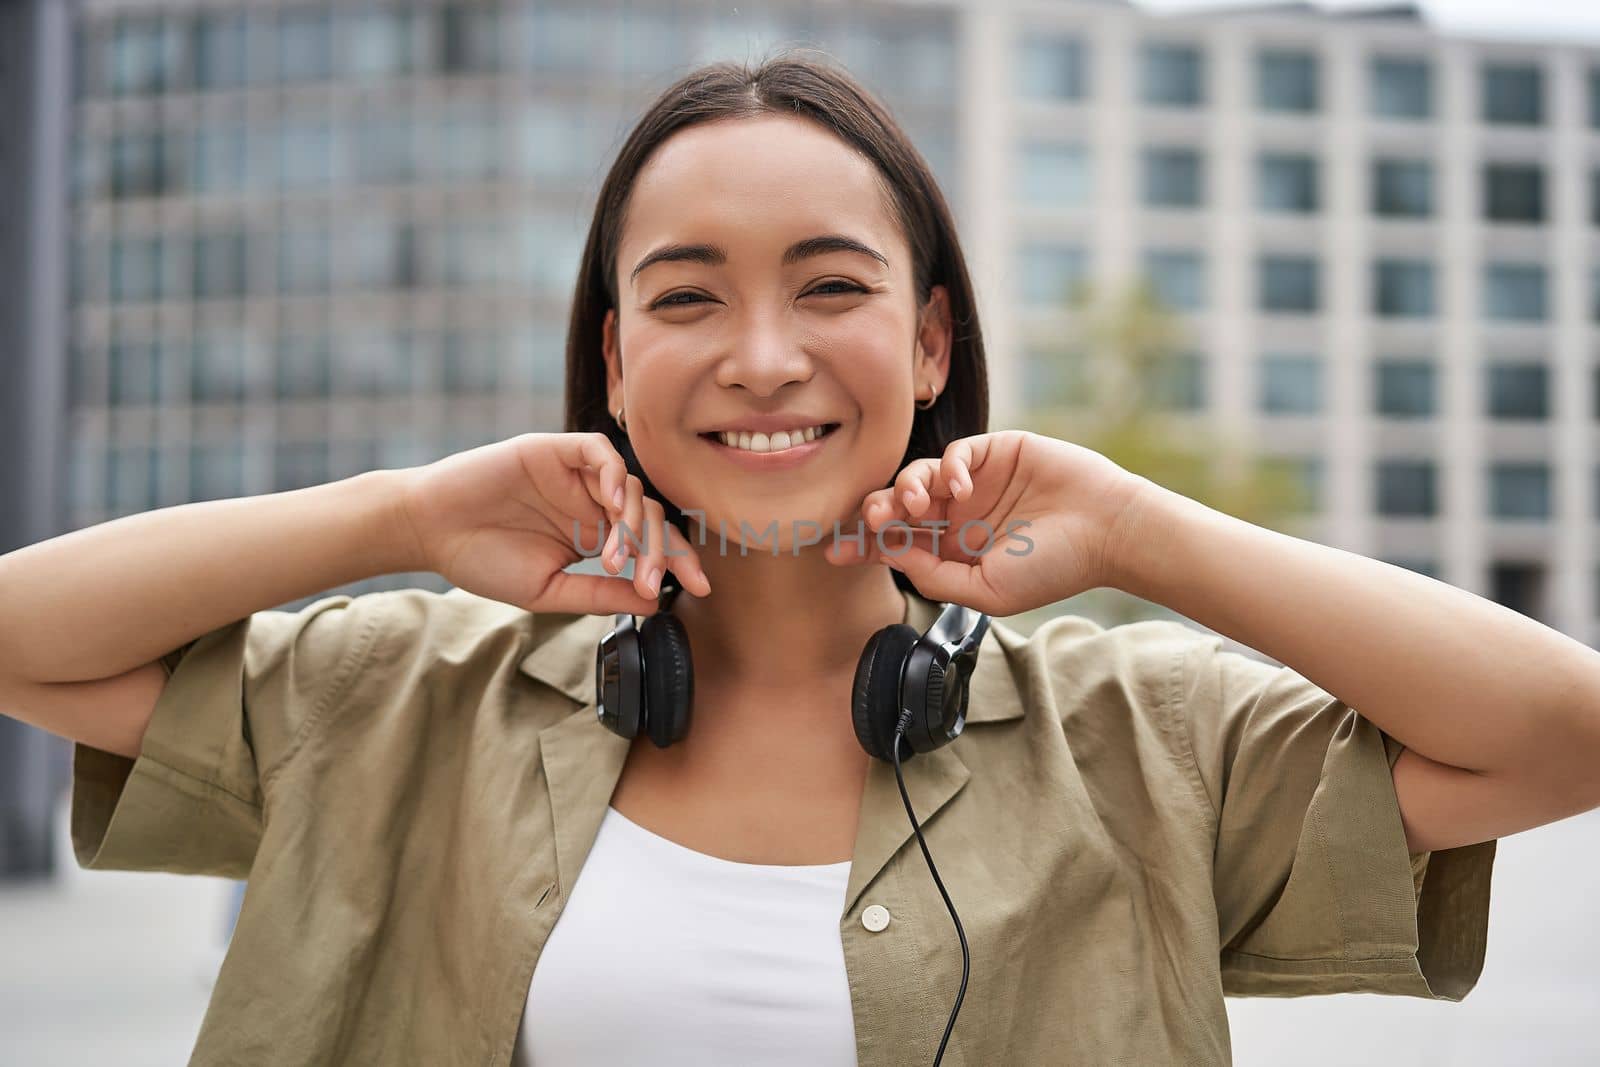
825,93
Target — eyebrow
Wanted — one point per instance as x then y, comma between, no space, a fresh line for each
715,255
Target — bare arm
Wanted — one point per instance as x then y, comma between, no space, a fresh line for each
85,616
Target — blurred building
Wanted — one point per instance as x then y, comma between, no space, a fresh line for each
293,240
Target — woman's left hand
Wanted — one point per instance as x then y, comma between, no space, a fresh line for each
1040,515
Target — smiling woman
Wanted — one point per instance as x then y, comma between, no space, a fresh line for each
450,859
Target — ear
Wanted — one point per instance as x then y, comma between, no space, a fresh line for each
934,339
608,351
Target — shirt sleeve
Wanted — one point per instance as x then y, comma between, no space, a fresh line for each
1315,889
238,703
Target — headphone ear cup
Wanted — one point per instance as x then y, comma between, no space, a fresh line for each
669,678
875,696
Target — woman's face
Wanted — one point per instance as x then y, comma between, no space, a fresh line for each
764,282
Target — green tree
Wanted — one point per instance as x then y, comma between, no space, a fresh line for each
1119,382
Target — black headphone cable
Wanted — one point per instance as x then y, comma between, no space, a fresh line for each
966,958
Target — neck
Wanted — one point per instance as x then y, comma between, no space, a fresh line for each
781,622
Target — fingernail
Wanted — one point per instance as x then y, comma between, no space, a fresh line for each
955,488
654,581
616,498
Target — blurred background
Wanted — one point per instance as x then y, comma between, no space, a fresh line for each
1331,268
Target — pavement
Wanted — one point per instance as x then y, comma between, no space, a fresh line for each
117,967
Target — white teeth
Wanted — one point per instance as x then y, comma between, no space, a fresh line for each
775,442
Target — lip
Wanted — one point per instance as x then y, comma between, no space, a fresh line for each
789,458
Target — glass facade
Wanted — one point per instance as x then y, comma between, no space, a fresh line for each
1172,178
1286,80
1177,277
1290,384
1514,292
1512,94
1405,388
1402,188
1403,288
1519,490
1287,284
1406,488
1286,183
1052,174
1518,390
1172,75
1051,273
1513,192
1052,68
1399,88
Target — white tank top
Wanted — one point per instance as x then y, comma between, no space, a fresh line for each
669,957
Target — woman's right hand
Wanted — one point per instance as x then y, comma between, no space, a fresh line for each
500,520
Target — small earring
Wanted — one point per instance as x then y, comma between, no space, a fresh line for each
932,400
620,423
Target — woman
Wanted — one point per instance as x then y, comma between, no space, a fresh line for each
1134,821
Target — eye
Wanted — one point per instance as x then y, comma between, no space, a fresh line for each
848,287
671,299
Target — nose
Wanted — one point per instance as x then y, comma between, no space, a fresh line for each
763,356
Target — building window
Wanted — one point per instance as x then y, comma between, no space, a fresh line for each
305,258
1177,277
376,43
146,56
144,164
378,253
464,38
1172,178
1286,81
302,366
1519,490
144,268
1594,198
1594,99
373,361
219,374
133,479
1514,292
1051,274
1287,284
1402,288
1513,94
1290,385
470,360
1406,388
1305,473
299,464
1400,88
219,50
1286,183
1054,377
135,372
219,265
1513,192
1172,75
305,49
1426,567
1406,488
1177,381
305,154
1518,390
216,470
1402,188
1053,175
1052,68
218,160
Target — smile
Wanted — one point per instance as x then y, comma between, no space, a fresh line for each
781,441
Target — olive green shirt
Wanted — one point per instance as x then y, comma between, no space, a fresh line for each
1134,823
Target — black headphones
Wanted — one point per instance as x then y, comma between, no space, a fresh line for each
644,680
910,696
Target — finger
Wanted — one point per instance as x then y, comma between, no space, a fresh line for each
955,471
630,538
944,579
650,564
685,563
914,486
593,594
595,452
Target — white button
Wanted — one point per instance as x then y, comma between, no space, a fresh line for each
875,917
